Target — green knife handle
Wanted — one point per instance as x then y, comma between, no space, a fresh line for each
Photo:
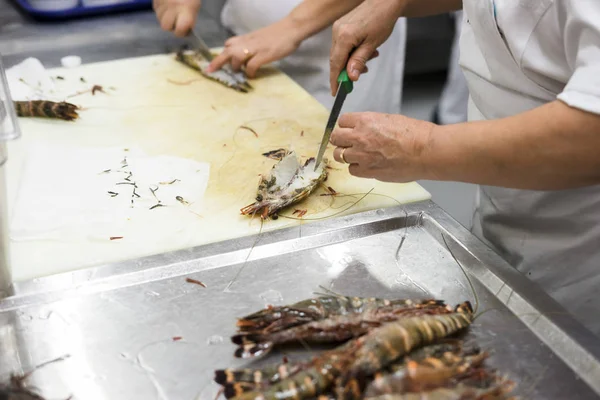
344,79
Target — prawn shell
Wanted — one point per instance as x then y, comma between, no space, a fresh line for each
273,196
337,328
225,75
273,319
47,109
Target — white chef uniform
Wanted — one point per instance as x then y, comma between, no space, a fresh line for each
379,90
452,108
518,55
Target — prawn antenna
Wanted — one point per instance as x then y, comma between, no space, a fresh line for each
464,271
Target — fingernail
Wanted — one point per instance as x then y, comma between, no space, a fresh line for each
355,72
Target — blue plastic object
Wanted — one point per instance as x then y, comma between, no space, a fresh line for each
82,11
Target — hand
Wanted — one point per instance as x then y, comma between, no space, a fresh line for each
358,34
177,15
386,147
258,48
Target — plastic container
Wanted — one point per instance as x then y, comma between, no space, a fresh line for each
68,9
9,130
53,5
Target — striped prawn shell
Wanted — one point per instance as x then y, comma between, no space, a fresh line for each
225,76
337,328
498,391
312,381
315,309
382,346
47,109
237,382
426,374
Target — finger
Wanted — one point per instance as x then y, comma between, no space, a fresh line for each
346,152
218,62
167,21
183,23
349,120
358,171
341,137
358,61
238,61
255,63
342,45
374,55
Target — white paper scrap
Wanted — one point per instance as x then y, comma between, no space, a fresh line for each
73,193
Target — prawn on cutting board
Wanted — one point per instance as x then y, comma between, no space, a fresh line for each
288,182
47,109
225,75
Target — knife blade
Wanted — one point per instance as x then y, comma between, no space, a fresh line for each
345,86
201,45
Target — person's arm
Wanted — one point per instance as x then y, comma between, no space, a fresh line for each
552,147
556,146
283,37
360,32
312,16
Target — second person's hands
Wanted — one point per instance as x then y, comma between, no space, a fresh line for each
260,47
178,16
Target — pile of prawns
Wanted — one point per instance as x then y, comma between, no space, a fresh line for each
387,349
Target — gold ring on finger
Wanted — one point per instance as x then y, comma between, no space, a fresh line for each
342,156
247,54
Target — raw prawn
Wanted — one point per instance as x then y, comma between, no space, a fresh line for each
46,109
338,328
499,390
273,319
288,183
365,355
382,346
422,372
225,75
236,382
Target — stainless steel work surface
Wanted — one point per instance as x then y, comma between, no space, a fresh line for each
139,330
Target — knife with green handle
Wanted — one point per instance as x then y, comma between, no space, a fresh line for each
345,86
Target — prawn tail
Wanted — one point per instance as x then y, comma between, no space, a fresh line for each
251,345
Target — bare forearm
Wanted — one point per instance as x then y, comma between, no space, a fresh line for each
425,8
312,16
552,147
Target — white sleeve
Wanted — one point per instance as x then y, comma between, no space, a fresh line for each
582,46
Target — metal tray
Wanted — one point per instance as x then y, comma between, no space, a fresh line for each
118,322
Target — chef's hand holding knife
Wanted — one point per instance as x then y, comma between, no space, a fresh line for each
177,16
357,35
387,147
251,51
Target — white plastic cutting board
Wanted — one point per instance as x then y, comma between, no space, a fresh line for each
194,126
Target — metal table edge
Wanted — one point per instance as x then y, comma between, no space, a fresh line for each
583,342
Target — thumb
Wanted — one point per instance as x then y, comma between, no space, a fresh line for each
358,61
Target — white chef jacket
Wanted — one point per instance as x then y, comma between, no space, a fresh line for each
379,90
453,104
518,55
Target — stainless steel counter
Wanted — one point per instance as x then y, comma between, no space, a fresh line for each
121,323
